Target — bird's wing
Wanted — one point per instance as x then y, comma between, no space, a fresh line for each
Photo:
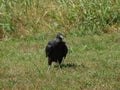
65,50
49,47
48,50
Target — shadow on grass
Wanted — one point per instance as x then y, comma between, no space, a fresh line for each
70,65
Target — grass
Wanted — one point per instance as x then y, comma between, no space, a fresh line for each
83,16
92,33
93,63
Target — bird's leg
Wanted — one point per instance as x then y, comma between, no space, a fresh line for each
49,63
49,66
58,64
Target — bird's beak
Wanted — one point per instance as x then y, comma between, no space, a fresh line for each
61,36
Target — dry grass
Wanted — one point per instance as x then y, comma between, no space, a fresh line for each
84,17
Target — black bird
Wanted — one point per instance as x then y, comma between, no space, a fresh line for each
56,50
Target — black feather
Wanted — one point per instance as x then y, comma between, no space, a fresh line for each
56,51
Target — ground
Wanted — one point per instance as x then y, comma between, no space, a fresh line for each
93,63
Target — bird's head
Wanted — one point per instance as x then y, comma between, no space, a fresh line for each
59,37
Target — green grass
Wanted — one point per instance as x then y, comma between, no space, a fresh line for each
92,33
83,16
93,63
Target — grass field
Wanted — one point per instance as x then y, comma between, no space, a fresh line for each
92,32
93,63
83,16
